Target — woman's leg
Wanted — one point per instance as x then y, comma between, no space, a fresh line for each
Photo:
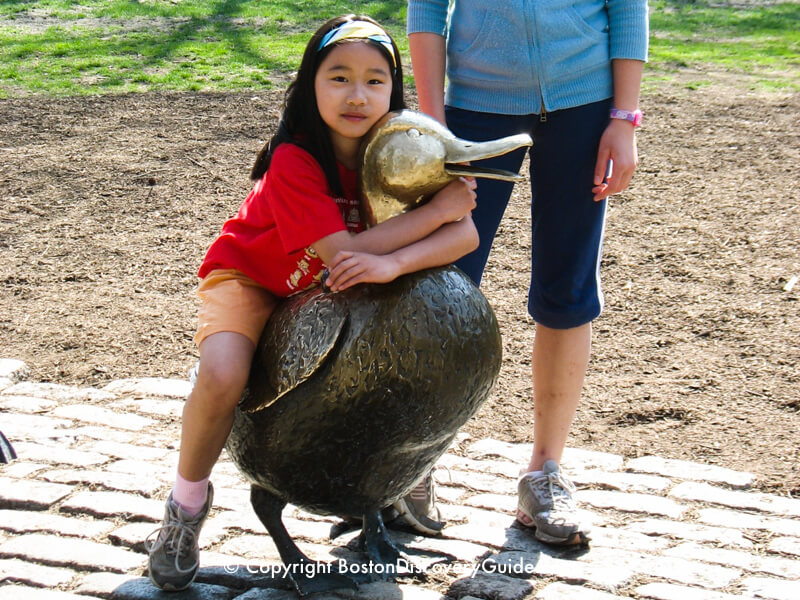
493,195
560,359
565,294
563,299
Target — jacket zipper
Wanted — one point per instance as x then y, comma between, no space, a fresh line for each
538,63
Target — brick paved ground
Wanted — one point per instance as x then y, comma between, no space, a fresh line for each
94,466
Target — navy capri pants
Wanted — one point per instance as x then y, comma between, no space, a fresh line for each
567,224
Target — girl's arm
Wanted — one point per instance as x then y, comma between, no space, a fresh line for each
453,202
445,245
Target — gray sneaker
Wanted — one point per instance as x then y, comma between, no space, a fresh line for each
418,508
175,552
546,504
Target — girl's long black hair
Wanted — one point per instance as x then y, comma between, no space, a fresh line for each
301,123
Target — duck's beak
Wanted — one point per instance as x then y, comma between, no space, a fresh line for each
408,156
463,151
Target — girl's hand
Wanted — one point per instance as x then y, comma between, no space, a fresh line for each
617,144
350,268
456,199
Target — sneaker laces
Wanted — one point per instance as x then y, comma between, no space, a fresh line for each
423,497
176,535
422,490
554,489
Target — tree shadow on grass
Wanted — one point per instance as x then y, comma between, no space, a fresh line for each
220,27
223,44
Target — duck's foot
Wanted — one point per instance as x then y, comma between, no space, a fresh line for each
308,576
347,524
387,559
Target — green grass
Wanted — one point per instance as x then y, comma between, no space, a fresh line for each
762,42
195,55
57,47
301,11
97,46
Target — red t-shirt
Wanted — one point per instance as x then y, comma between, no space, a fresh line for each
290,208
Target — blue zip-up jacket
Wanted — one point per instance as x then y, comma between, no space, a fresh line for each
525,56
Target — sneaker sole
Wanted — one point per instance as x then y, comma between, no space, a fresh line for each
402,511
168,587
579,538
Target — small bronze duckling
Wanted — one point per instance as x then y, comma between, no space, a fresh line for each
354,396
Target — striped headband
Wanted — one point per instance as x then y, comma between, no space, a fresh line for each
359,30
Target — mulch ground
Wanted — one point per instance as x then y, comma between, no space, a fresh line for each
108,203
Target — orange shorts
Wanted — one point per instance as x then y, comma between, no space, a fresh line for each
231,301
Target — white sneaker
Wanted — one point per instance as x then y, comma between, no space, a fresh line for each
546,504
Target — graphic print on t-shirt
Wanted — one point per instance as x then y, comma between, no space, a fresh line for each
310,267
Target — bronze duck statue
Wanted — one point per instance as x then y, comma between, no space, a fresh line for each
353,396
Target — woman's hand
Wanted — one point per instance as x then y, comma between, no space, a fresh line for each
456,199
617,144
351,268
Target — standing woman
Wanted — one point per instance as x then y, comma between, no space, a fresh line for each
568,73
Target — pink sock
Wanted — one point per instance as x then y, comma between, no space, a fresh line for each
190,495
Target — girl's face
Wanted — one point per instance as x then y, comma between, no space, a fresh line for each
353,86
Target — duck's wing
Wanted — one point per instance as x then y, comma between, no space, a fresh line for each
298,339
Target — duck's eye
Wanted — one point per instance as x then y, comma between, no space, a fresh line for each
413,133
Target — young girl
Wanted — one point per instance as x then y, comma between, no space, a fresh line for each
301,216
